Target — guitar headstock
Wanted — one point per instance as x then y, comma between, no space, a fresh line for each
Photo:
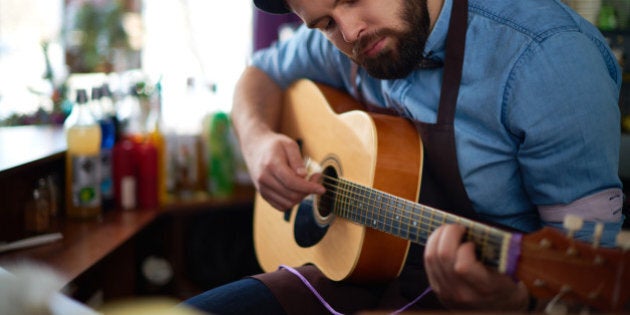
554,265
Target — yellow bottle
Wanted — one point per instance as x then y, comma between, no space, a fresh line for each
83,137
156,136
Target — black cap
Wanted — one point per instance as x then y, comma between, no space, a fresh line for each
272,6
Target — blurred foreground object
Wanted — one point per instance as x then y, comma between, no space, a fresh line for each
147,306
33,289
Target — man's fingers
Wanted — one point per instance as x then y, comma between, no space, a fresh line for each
295,159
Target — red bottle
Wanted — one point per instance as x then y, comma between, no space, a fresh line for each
147,166
124,175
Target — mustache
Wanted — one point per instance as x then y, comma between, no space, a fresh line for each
368,39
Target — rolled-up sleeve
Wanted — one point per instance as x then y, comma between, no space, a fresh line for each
561,116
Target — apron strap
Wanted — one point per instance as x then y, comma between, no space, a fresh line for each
454,61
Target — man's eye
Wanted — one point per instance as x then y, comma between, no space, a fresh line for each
330,24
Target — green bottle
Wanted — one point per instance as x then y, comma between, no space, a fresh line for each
221,157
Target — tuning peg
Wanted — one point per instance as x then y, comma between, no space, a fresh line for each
623,240
572,224
556,308
556,305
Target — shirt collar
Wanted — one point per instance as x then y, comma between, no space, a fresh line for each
435,47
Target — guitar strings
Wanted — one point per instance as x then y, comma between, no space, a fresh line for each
352,192
398,201
489,249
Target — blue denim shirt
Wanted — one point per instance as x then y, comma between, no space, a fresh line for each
537,120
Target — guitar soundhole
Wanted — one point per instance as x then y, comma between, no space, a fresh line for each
313,218
306,231
327,200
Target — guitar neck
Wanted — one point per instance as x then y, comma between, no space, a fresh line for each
415,222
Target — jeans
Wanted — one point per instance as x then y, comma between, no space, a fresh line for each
245,296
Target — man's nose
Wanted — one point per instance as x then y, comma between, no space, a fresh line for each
350,28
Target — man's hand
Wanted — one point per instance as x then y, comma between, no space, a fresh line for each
274,160
461,281
278,171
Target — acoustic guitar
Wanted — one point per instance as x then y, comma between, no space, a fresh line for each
361,228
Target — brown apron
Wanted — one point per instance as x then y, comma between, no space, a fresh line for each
442,188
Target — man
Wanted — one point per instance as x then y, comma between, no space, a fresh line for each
516,103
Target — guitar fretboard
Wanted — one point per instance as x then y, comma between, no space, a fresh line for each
412,221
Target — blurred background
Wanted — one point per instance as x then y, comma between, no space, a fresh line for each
197,48
164,71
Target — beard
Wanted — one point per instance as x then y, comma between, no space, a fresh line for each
400,60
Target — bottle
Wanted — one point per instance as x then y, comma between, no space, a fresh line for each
83,137
125,181
607,19
108,137
146,157
133,124
37,211
156,137
110,109
221,158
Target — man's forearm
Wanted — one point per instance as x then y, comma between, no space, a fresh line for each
257,105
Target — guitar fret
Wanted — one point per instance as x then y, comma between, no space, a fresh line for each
386,216
396,217
426,225
354,212
391,215
373,205
379,199
343,188
351,197
406,217
363,214
351,191
363,211
416,216
378,217
341,194
429,225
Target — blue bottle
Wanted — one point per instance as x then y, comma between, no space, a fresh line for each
108,138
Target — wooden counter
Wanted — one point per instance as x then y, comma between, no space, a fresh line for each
84,243
91,251
27,153
29,146
87,242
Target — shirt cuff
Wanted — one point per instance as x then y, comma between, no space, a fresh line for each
603,206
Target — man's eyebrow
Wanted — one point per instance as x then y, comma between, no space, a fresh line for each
313,24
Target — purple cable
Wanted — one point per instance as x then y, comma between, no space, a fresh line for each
332,310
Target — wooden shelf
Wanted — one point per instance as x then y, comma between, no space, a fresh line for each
242,196
86,242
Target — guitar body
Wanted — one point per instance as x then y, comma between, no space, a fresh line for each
378,151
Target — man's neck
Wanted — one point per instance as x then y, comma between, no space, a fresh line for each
434,7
